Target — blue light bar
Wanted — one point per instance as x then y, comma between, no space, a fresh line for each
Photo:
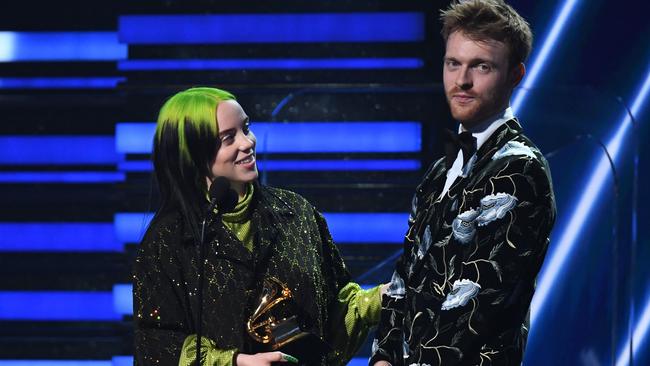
338,165
304,165
122,361
55,363
123,299
358,361
62,177
301,137
638,337
367,227
135,166
368,286
134,137
131,226
554,263
272,64
338,137
58,237
60,46
272,28
63,150
61,83
57,306
345,227
116,361
542,56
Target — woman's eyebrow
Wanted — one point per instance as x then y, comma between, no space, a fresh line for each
225,132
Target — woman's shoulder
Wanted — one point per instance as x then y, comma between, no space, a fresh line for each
287,198
164,226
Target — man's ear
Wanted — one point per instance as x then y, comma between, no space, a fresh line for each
516,74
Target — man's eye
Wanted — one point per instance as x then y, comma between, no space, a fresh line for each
483,67
451,63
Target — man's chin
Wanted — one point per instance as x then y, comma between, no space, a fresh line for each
464,117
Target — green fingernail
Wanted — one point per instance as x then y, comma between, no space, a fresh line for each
289,358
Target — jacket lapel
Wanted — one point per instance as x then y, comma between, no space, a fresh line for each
483,156
269,214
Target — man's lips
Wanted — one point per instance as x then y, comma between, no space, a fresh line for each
462,98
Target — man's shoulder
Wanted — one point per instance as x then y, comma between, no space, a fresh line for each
519,162
518,151
519,145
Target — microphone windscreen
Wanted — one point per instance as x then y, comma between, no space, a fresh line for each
218,188
221,195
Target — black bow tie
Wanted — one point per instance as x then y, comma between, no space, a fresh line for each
455,142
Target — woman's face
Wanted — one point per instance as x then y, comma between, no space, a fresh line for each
235,158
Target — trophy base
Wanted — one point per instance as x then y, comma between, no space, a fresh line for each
308,348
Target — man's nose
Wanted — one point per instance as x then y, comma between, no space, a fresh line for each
464,79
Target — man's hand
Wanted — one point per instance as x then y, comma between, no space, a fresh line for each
382,363
264,359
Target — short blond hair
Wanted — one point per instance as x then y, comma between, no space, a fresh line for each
483,20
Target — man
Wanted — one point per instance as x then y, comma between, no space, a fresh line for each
481,217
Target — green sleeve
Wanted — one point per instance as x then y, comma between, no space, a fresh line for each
354,312
210,354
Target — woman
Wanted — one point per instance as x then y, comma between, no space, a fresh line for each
203,133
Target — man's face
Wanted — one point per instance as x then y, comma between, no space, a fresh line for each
477,80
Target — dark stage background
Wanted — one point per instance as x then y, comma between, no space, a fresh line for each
358,85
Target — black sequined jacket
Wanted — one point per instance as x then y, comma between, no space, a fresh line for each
292,243
462,288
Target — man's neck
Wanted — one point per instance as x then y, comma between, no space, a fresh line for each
505,113
485,129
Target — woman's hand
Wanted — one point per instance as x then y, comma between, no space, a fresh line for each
264,359
383,289
382,363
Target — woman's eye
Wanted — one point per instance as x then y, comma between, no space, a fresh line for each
246,129
227,138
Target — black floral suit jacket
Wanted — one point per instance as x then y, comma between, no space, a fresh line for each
462,288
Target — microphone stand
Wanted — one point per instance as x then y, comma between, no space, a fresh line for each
201,269
222,199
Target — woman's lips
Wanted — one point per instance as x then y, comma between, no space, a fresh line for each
248,162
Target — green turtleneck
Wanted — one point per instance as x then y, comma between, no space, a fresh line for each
239,220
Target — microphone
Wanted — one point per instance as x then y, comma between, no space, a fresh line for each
222,199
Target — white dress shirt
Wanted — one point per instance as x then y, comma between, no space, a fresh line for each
482,132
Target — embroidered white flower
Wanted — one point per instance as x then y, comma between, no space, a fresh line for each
513,148
461,293
463,226
375,346
468,166
494,207
397,288
426,242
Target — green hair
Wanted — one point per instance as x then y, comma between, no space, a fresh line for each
185,144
